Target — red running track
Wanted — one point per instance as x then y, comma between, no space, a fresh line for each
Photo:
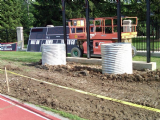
12,110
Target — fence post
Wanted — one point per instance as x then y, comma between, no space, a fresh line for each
153,39
148,32
20,38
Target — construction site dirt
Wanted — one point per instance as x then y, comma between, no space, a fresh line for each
141,87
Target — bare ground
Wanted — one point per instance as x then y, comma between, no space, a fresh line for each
142,87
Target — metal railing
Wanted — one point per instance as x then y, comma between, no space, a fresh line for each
140,41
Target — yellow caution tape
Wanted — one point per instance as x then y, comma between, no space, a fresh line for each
92,94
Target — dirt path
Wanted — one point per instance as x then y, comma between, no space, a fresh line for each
143,87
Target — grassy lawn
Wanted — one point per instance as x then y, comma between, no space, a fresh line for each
21,56
144,58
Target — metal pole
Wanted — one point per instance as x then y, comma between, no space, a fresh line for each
88,29
64,24
148,31
119,20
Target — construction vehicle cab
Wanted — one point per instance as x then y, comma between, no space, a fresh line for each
102,30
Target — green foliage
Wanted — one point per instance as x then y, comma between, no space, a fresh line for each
10,19
10,14
47,13
75,9
27,18
39,13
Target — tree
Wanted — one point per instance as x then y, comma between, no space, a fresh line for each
27,18
47,12
10,19
10,14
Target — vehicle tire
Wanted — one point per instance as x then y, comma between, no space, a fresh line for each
76,52
134,51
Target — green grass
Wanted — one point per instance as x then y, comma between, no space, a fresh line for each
144,58
64,114
20,56
139,58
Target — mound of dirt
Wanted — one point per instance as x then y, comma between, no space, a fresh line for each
141,87
94,70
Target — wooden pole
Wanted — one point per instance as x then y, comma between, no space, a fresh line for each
7,79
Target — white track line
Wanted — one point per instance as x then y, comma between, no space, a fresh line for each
25,109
